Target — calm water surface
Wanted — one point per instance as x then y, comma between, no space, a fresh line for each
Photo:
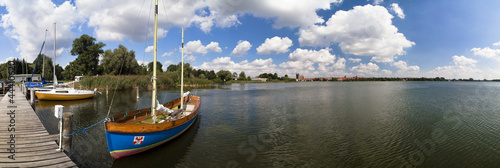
310,124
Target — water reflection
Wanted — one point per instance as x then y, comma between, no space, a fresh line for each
308,124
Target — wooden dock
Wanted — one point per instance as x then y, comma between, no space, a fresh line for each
33,145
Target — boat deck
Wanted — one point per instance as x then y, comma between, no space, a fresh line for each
146,119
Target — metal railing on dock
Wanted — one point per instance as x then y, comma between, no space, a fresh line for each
24,141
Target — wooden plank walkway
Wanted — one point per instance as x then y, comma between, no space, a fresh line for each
34,147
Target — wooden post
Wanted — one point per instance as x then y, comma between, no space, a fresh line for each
67,129
32,97
137,92
107,88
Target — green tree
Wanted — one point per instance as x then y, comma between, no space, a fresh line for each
224,75
235,75
120,59
242,76
4,70
49,68
172,68
158,67
142,69
187,69
263,75
59,72
202,76
88,52
211,75
70,71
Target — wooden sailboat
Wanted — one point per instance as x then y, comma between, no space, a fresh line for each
136,131
61,93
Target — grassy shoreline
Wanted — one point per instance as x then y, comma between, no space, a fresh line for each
129,82
164,81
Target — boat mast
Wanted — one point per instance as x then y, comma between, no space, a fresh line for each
54,61
182,71
43,64
153,100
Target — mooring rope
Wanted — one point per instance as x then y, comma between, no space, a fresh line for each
84,129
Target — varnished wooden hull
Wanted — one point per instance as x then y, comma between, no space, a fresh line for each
125,138
70,95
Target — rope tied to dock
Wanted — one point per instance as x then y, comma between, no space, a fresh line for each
85,129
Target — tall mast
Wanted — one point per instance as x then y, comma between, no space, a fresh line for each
54,61
182,71
43,64
153,100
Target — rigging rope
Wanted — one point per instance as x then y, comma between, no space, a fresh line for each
117,82
84,129
147,30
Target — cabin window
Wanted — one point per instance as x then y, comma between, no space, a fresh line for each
65,91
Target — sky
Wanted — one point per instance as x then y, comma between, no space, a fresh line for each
320,38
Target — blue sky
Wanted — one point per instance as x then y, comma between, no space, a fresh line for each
374,38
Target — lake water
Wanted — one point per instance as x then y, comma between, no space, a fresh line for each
310,124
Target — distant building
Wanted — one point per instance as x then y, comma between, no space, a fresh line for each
346,78
78,78
299,77
259,79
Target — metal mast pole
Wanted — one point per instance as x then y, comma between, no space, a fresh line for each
182,71
54,61
43,64
153,103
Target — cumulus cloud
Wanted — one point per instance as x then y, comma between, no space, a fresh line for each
385,72
7,60
355,60
167,54
365,69
117,20
376,2
305,62
463,61
253,68
195,47
111,19
364,31
27,22
496,44
291,13
242,48
190,58
404,69
462,67
340,64
487,52
321,56
396,9
149,49
276,44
